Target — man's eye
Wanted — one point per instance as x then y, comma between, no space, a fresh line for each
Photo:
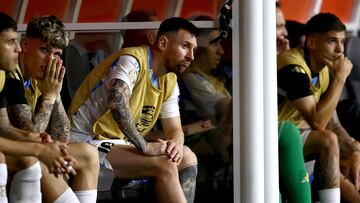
44,50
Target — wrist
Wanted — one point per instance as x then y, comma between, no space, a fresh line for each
145,148
354,145
38,149
340,76
49,98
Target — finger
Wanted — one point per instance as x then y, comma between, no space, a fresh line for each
58,68
72,171
48,69
51,169
170,148
174,152
176,157
69,168
64,149
53,67
62,74
357,182
71,160
160,140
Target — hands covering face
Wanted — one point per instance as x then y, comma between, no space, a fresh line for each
51,84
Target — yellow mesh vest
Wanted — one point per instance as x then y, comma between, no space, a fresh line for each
287,111
2,80
145,101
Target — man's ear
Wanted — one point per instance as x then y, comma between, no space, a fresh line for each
24,44
310,41
163,42
150,36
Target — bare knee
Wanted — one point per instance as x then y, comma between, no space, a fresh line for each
86,155
16,164
189,158
330,143
166,169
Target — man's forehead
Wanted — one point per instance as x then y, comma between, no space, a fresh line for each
9,33
333,34
41,42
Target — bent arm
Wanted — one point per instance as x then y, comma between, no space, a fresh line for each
317,115
9,131
118,102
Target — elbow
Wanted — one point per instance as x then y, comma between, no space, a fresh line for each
317,125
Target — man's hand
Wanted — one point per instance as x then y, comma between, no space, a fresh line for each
351,168
282,44
155,148
341,66
56,157
175,151
51,83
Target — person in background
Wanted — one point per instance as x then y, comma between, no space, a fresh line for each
282,42
294,188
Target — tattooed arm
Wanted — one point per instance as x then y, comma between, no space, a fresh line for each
42,114
59,126
118,102
9,131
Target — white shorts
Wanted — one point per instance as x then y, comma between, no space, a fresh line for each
304,135
103,146
309,165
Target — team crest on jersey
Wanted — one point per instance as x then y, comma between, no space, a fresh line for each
147,114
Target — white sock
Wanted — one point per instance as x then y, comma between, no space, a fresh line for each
3,180
67,196
330,195
25,186
86,196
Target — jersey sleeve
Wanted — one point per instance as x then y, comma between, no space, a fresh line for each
3,102
293,83
127,69
170,107
14,90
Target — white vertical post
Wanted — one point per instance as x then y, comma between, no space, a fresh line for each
251,105
270,105
236,99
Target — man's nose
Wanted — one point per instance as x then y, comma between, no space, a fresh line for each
190,55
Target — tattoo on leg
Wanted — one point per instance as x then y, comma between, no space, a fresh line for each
328,172
188,182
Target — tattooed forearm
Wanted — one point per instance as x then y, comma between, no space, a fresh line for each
59,126
7,130
20,116
4,122
42,115
118,101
